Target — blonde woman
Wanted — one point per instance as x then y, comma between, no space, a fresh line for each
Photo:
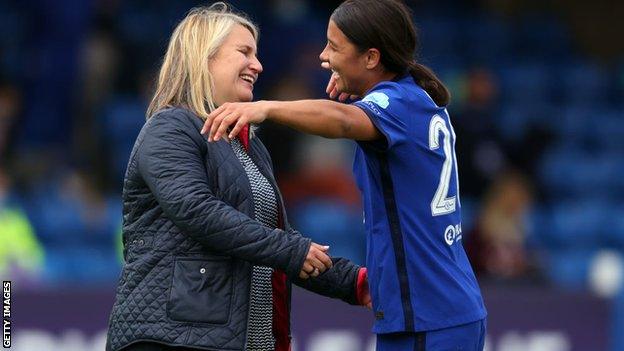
209,254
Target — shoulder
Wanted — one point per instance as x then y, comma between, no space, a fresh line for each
403,90
385,91
387,96
174,116
171,124
417,95
403,95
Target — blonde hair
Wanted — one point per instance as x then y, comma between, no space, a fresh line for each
184,78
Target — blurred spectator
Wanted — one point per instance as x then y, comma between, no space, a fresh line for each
480,153
278,139
77,225
10,107
94,218
99,65
497,245
323,172
324,201
21,254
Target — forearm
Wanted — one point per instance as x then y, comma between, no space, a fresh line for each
219,227
337,282
320,117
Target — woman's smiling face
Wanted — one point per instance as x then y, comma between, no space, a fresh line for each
235,67
345,60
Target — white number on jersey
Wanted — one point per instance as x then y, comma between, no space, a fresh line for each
441,204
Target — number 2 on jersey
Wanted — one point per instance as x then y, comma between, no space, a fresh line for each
441,204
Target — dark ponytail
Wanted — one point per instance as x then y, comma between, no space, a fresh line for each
426,79
387,26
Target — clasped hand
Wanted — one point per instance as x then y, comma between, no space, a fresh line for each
317,261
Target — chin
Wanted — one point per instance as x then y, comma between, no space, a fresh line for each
245,96
346,90
340,88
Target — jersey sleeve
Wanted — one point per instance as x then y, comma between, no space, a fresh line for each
384,105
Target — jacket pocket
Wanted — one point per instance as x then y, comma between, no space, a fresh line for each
201,290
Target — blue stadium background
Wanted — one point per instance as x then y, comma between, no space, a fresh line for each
538,106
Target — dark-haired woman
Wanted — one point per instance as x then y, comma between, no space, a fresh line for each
425,295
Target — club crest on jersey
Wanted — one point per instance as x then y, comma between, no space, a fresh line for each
380,99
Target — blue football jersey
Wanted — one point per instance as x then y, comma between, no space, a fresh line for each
419,275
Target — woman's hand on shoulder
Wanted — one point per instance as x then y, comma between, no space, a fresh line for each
234,115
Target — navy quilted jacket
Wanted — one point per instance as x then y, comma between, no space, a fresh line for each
190,242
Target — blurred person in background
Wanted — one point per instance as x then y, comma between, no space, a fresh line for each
497,244
21,254
100,62
277,137
323,198
10,106
481,155
209,254
321,172
424,292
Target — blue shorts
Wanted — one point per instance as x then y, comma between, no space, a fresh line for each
466,337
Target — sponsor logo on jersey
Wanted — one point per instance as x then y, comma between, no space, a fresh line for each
452,234
380,99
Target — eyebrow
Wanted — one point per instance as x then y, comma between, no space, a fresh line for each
247,47
331,42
